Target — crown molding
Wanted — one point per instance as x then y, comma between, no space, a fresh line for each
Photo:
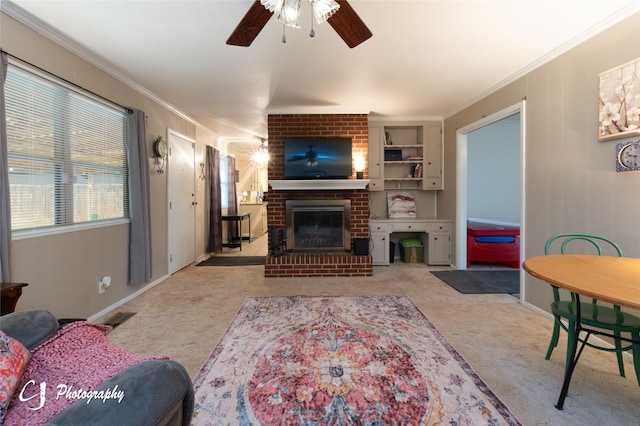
19,14
608,22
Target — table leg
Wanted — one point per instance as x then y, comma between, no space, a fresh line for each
575,355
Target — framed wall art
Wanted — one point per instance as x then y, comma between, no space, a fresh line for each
619,102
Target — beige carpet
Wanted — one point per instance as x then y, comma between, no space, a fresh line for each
185,316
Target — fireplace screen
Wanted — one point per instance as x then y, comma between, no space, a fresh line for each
318,225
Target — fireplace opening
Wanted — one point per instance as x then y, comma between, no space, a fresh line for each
318,225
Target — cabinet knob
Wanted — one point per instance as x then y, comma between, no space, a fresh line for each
409,226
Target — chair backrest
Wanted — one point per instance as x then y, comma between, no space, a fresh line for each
602,245
590,243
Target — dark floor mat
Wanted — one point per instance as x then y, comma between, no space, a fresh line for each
479,282
233,261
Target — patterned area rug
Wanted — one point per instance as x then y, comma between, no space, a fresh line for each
339,361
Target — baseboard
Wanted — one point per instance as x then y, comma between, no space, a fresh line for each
108,309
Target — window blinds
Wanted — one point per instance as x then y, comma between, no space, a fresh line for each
67,157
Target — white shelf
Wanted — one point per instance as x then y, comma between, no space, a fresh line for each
318,184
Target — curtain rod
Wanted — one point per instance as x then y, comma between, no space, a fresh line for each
129,110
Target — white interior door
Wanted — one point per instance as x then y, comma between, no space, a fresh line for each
181,196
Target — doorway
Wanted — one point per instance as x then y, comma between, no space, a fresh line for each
463,169
182,202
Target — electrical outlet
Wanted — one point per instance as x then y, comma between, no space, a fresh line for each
103,284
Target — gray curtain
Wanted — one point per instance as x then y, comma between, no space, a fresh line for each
5,207
233,196
232,208
139,205
214,241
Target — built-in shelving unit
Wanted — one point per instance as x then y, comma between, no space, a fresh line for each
405,155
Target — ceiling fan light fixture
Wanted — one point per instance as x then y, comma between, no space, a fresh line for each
338,13
287,11
261,155
323,9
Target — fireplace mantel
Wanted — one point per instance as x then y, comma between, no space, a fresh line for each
318,184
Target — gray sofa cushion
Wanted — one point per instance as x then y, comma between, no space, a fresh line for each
31,328
156,392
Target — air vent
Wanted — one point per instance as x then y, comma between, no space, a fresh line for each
118,318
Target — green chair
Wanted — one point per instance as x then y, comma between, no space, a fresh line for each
593,314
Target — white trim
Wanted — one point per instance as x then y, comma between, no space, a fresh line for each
385,118
461,183
98,315
318,184
492,222
609,21
63,229
318,110
51,33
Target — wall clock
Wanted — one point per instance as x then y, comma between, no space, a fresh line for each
160,152
628,156
160,147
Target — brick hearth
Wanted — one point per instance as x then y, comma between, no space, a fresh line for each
309,264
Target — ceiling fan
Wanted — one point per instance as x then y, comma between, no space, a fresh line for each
345,21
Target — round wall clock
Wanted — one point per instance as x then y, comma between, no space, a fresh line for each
160,147
628,156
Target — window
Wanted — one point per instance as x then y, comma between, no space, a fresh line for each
67,156
224,181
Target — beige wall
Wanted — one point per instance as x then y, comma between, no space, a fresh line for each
571,183
63,270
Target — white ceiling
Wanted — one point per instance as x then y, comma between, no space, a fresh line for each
426,58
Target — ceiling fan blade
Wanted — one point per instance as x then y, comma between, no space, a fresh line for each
348,25
250,26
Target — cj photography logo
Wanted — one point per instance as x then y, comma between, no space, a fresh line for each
36,395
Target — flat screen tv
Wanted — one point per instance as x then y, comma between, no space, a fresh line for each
317,158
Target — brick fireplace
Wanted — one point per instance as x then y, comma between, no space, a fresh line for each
306,263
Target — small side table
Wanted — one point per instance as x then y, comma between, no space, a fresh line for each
10,294
236,220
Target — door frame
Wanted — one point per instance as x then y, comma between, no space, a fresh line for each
172,133
461,180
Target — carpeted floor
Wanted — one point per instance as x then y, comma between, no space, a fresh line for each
482,282
233,261
336,360
185,316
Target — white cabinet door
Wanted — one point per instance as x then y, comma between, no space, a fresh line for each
433,158
380,249
375,159
439,250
